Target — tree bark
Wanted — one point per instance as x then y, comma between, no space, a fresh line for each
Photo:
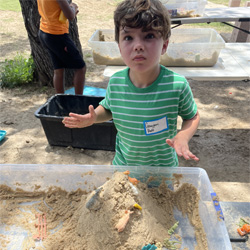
42,61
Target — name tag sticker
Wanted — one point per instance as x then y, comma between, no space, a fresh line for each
155,126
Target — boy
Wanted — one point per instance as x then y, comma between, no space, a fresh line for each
145,99
54,36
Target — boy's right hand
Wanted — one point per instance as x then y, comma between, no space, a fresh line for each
80,121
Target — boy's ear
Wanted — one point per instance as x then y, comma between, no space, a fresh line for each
164,47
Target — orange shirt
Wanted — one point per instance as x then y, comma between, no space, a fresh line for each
49,11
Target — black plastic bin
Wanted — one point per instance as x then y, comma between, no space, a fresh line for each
98,136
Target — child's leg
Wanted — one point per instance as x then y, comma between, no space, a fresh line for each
79,80
58,80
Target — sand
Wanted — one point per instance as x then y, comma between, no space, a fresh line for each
89,220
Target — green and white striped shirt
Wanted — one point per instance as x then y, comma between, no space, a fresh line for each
146,117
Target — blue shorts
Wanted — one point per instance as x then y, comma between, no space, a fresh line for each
62,50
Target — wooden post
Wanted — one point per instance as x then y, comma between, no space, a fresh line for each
237,35
234,3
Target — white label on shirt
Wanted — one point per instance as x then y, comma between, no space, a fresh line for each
155,126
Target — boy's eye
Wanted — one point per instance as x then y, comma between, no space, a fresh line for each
150,36
127,38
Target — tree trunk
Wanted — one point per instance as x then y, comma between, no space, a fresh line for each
42,61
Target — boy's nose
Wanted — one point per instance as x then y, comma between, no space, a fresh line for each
138,46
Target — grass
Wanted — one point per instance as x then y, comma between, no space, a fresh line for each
12,5
115,2
219,27
225,2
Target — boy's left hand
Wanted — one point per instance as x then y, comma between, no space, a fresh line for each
75,8
181,148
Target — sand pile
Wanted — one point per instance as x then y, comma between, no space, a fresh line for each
102,210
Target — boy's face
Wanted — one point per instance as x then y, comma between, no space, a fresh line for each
140,50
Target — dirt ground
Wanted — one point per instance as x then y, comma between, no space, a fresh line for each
221,142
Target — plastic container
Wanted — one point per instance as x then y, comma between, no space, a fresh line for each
193,48
187,48
105,49
72,177
2,134
185,8
98,136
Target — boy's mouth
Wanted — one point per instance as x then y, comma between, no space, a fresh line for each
139,58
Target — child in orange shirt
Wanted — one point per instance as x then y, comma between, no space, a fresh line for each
54,36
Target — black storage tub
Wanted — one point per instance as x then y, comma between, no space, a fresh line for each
98,136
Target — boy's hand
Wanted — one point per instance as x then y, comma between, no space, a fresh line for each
181,148
80,121
75,6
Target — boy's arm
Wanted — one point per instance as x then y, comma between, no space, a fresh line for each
180,141
69,10
98,115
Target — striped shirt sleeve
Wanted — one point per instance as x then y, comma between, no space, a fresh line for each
187,106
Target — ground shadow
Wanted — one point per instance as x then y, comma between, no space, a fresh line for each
8,48
222,151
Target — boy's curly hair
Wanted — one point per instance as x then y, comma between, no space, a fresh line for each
145,14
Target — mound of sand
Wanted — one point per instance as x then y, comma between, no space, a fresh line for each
104,207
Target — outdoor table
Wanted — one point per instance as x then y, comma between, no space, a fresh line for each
223,15
233,65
